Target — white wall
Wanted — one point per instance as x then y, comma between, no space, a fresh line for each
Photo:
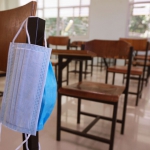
12,4
2,5
8,4
108,19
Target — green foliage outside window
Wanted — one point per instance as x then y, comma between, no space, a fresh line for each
78,28
51,26
80,25
139,23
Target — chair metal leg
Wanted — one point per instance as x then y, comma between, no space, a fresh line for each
75,66
106,77
32,142
147,76
148,71
101,64
91,67
1,93
142,81
58,117
124,112
138,91
86,63
97,61
67,76
125,101
123,79
112,136
79,109
113,81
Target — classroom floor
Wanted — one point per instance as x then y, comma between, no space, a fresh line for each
137,128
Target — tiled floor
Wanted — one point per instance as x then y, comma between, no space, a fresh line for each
137,129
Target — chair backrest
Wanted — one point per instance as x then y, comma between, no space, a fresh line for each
109,49
137,44
10,24
59,41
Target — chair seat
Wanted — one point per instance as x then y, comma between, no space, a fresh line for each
138,63
123,69
141,63
93,90
141,57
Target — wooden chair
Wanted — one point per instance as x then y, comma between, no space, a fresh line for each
139,61
59,41
11,21
138,46
98,92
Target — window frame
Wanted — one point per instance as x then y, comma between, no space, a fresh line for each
58,17
131,3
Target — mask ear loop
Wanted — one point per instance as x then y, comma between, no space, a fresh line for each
23,142
25,21
45,40
27,148
39,146
28,36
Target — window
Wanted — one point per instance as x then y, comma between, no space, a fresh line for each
139,24
65,17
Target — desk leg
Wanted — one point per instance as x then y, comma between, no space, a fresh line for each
60,68
80,71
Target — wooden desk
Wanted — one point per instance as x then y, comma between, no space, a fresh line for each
69,56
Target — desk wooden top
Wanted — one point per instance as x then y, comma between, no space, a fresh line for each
83,53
